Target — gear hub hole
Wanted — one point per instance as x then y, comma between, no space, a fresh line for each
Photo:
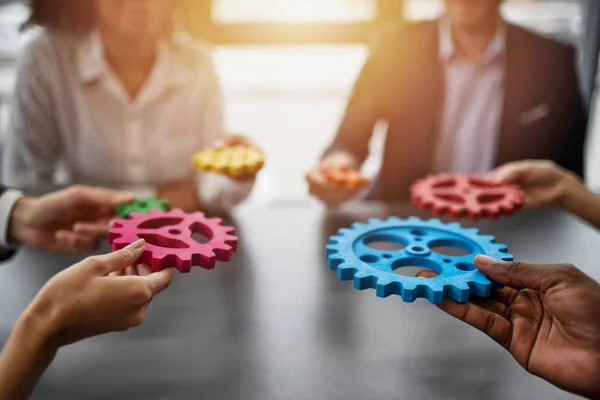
414,266
385,242
481,183
445,184
369,258
175,232
451,198
417,232
200,233
489,198
449,247
157,223
466,266
161,241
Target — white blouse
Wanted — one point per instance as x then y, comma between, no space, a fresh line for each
71,113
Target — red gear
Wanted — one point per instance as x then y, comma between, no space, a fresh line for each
465,195
169,241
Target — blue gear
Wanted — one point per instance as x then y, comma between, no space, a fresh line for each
349,254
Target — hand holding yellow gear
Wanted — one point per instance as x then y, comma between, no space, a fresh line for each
234,161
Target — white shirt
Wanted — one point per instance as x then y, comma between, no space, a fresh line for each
473,105
70,110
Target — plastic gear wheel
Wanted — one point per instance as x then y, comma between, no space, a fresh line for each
466,196
350,255
169,241
233,161
347,178
142,206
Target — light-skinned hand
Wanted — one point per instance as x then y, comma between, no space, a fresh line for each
71,220
84,300
319,187
546,316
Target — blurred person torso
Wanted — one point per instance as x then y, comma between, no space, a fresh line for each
515,97
74,107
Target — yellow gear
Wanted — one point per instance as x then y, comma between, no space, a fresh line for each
233,161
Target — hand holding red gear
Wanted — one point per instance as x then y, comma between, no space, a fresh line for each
169,241
460,195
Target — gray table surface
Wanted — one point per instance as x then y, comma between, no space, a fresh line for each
276,324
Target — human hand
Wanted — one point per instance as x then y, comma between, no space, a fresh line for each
547,317
232,140
70,220
543,182
84,300
318,185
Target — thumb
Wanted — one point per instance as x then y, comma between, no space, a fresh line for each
119,198
509,174
159,281
520,275
118,260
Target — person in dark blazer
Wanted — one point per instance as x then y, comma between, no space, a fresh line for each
70,220
462,94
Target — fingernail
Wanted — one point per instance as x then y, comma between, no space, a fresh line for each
485,260
138,244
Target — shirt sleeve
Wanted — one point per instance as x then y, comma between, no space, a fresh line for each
33,144
8,199
217,192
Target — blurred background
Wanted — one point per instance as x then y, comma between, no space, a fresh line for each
287,67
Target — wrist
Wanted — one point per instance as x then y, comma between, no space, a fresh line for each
38,331
570,188
20,221
340,159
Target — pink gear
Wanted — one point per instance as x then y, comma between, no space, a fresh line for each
169,241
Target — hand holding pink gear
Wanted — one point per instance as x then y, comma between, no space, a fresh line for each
169,241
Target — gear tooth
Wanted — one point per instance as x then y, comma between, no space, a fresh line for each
454,226
345,272
435,221
480,285
334,240
459,291
394,220
364,281
472,231
177,211
345,232
358,226
414,220
488,238
375,221
384,287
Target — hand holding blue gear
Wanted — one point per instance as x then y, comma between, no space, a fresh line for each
349,254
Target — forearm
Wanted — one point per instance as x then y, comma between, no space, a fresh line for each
581,201
24,358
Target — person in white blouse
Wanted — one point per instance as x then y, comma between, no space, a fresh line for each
113,93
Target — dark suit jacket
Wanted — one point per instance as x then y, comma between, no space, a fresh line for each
5,254
402,84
